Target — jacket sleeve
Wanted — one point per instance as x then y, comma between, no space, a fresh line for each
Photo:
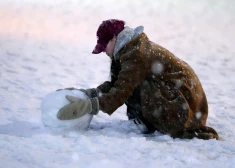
132,73
105,87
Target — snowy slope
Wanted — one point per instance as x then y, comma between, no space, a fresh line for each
46,45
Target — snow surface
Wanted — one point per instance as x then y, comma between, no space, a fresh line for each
46,45
53,102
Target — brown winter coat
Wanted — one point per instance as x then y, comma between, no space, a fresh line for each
172,98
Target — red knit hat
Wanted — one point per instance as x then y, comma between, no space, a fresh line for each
106,31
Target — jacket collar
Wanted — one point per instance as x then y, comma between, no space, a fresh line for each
124,37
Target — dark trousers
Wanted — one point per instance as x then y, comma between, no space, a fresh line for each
134,109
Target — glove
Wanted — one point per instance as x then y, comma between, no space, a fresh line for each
91,93
71,88
78,107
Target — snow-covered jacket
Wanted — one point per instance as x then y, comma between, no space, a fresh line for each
171,96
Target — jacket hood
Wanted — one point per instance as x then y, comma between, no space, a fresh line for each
124,37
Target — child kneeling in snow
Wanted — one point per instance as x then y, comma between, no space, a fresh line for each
160,90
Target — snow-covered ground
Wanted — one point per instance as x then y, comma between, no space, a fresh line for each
46,45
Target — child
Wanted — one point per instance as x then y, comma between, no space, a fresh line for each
161,91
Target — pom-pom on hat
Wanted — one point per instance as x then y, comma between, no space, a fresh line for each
106,31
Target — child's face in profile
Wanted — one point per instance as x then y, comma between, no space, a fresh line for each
110,47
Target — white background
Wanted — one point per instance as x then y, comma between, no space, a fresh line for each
46,45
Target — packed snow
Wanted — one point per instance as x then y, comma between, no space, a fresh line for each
53,102
46,45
